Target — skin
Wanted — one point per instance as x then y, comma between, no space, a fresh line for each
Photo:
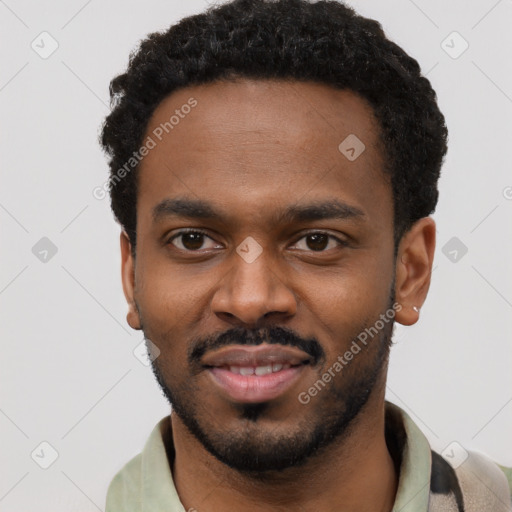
252,148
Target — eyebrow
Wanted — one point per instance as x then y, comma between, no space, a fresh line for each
200,209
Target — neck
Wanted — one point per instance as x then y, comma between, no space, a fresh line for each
357,472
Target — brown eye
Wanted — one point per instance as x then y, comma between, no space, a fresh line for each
319,242
192,240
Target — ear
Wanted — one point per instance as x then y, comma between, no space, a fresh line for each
128,280
414,269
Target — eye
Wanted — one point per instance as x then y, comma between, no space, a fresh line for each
191,240
320,242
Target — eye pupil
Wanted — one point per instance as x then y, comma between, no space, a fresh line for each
320,241
195,238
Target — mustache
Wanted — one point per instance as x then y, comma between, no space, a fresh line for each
240,336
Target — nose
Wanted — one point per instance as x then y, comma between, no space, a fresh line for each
252,292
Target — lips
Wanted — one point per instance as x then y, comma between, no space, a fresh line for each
253,374
256,356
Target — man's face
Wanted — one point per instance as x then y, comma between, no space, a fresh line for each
289,300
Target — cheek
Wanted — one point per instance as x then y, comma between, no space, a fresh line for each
166,294
343,302
172,305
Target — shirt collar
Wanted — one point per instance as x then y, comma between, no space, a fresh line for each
157,484
414,479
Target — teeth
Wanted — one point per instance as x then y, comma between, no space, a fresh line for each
263,370
259,370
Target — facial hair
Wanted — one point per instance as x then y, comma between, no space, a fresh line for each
326,419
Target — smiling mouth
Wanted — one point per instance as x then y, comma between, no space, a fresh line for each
256,356
255,374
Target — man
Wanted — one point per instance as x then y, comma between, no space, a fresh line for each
273,168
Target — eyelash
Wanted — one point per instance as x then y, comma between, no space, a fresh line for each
341,243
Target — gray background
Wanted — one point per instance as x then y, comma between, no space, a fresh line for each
69,376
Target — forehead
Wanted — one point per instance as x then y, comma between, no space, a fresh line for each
263,141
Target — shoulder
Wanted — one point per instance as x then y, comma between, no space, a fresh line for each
146,477
124,491
470,483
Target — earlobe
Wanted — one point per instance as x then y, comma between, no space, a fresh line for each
128,280
414,269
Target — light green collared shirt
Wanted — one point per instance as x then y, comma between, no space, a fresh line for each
145,483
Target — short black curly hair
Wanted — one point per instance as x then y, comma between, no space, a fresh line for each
325,42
